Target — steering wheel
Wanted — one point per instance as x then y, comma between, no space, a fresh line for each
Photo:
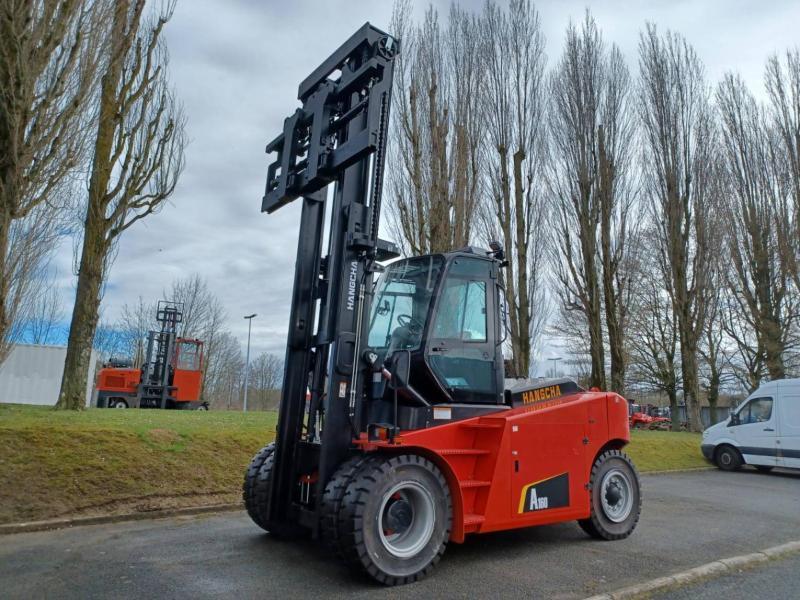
414,325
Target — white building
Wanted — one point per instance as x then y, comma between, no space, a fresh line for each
32,375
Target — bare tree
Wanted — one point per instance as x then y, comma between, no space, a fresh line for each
436,131
783,88
226,374
514,105
266,375
31,242
135,322
747,360
49,53
108,342
679,157
590,182
761,275
653,342
43,320
138,157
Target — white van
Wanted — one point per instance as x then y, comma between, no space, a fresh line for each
764,431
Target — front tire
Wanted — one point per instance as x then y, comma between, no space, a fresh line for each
395,518
728,458
616,498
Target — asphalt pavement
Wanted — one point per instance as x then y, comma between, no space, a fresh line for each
688,519
776,579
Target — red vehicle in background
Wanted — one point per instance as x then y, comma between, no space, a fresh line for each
170,377
646,417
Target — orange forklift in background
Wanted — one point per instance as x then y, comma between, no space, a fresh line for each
170,377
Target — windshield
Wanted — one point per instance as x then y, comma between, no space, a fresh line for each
402,302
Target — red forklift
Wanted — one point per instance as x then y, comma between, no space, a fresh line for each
171,374
410,439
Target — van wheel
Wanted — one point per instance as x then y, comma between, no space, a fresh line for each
616,498
728,458
763,468
119,403
395,518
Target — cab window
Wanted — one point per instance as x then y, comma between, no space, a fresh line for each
188,356
462,313
757,410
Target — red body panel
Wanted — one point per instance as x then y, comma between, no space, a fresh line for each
187,384
124,381
491,462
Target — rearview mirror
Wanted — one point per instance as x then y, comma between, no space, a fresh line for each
401,369
734,420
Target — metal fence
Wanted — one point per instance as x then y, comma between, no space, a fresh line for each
32,375
723,412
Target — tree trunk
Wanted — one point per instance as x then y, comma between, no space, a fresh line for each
5,283
773,348
674,410
95,236
713,395
524,319
610,266
85,315
691,383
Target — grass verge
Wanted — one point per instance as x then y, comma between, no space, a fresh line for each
99,461
64,463
665,450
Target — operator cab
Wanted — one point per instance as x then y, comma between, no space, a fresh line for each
445,310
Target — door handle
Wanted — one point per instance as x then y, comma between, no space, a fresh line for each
768,429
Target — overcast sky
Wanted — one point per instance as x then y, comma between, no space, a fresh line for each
236,65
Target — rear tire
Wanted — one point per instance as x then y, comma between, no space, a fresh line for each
255,493
395,518
256,509
728,458
615,497
118,403
763,468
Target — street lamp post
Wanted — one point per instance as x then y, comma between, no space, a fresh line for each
555,362
247,360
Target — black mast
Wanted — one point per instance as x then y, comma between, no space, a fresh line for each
338,136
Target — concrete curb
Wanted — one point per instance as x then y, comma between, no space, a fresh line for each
674,471
710,570
103,519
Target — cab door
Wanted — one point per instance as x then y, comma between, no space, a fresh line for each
755,432
461,348
188,375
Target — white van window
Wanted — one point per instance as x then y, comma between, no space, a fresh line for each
758,410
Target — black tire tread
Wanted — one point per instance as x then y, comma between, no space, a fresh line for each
251,494
332,501
593,526
738,455
350,521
